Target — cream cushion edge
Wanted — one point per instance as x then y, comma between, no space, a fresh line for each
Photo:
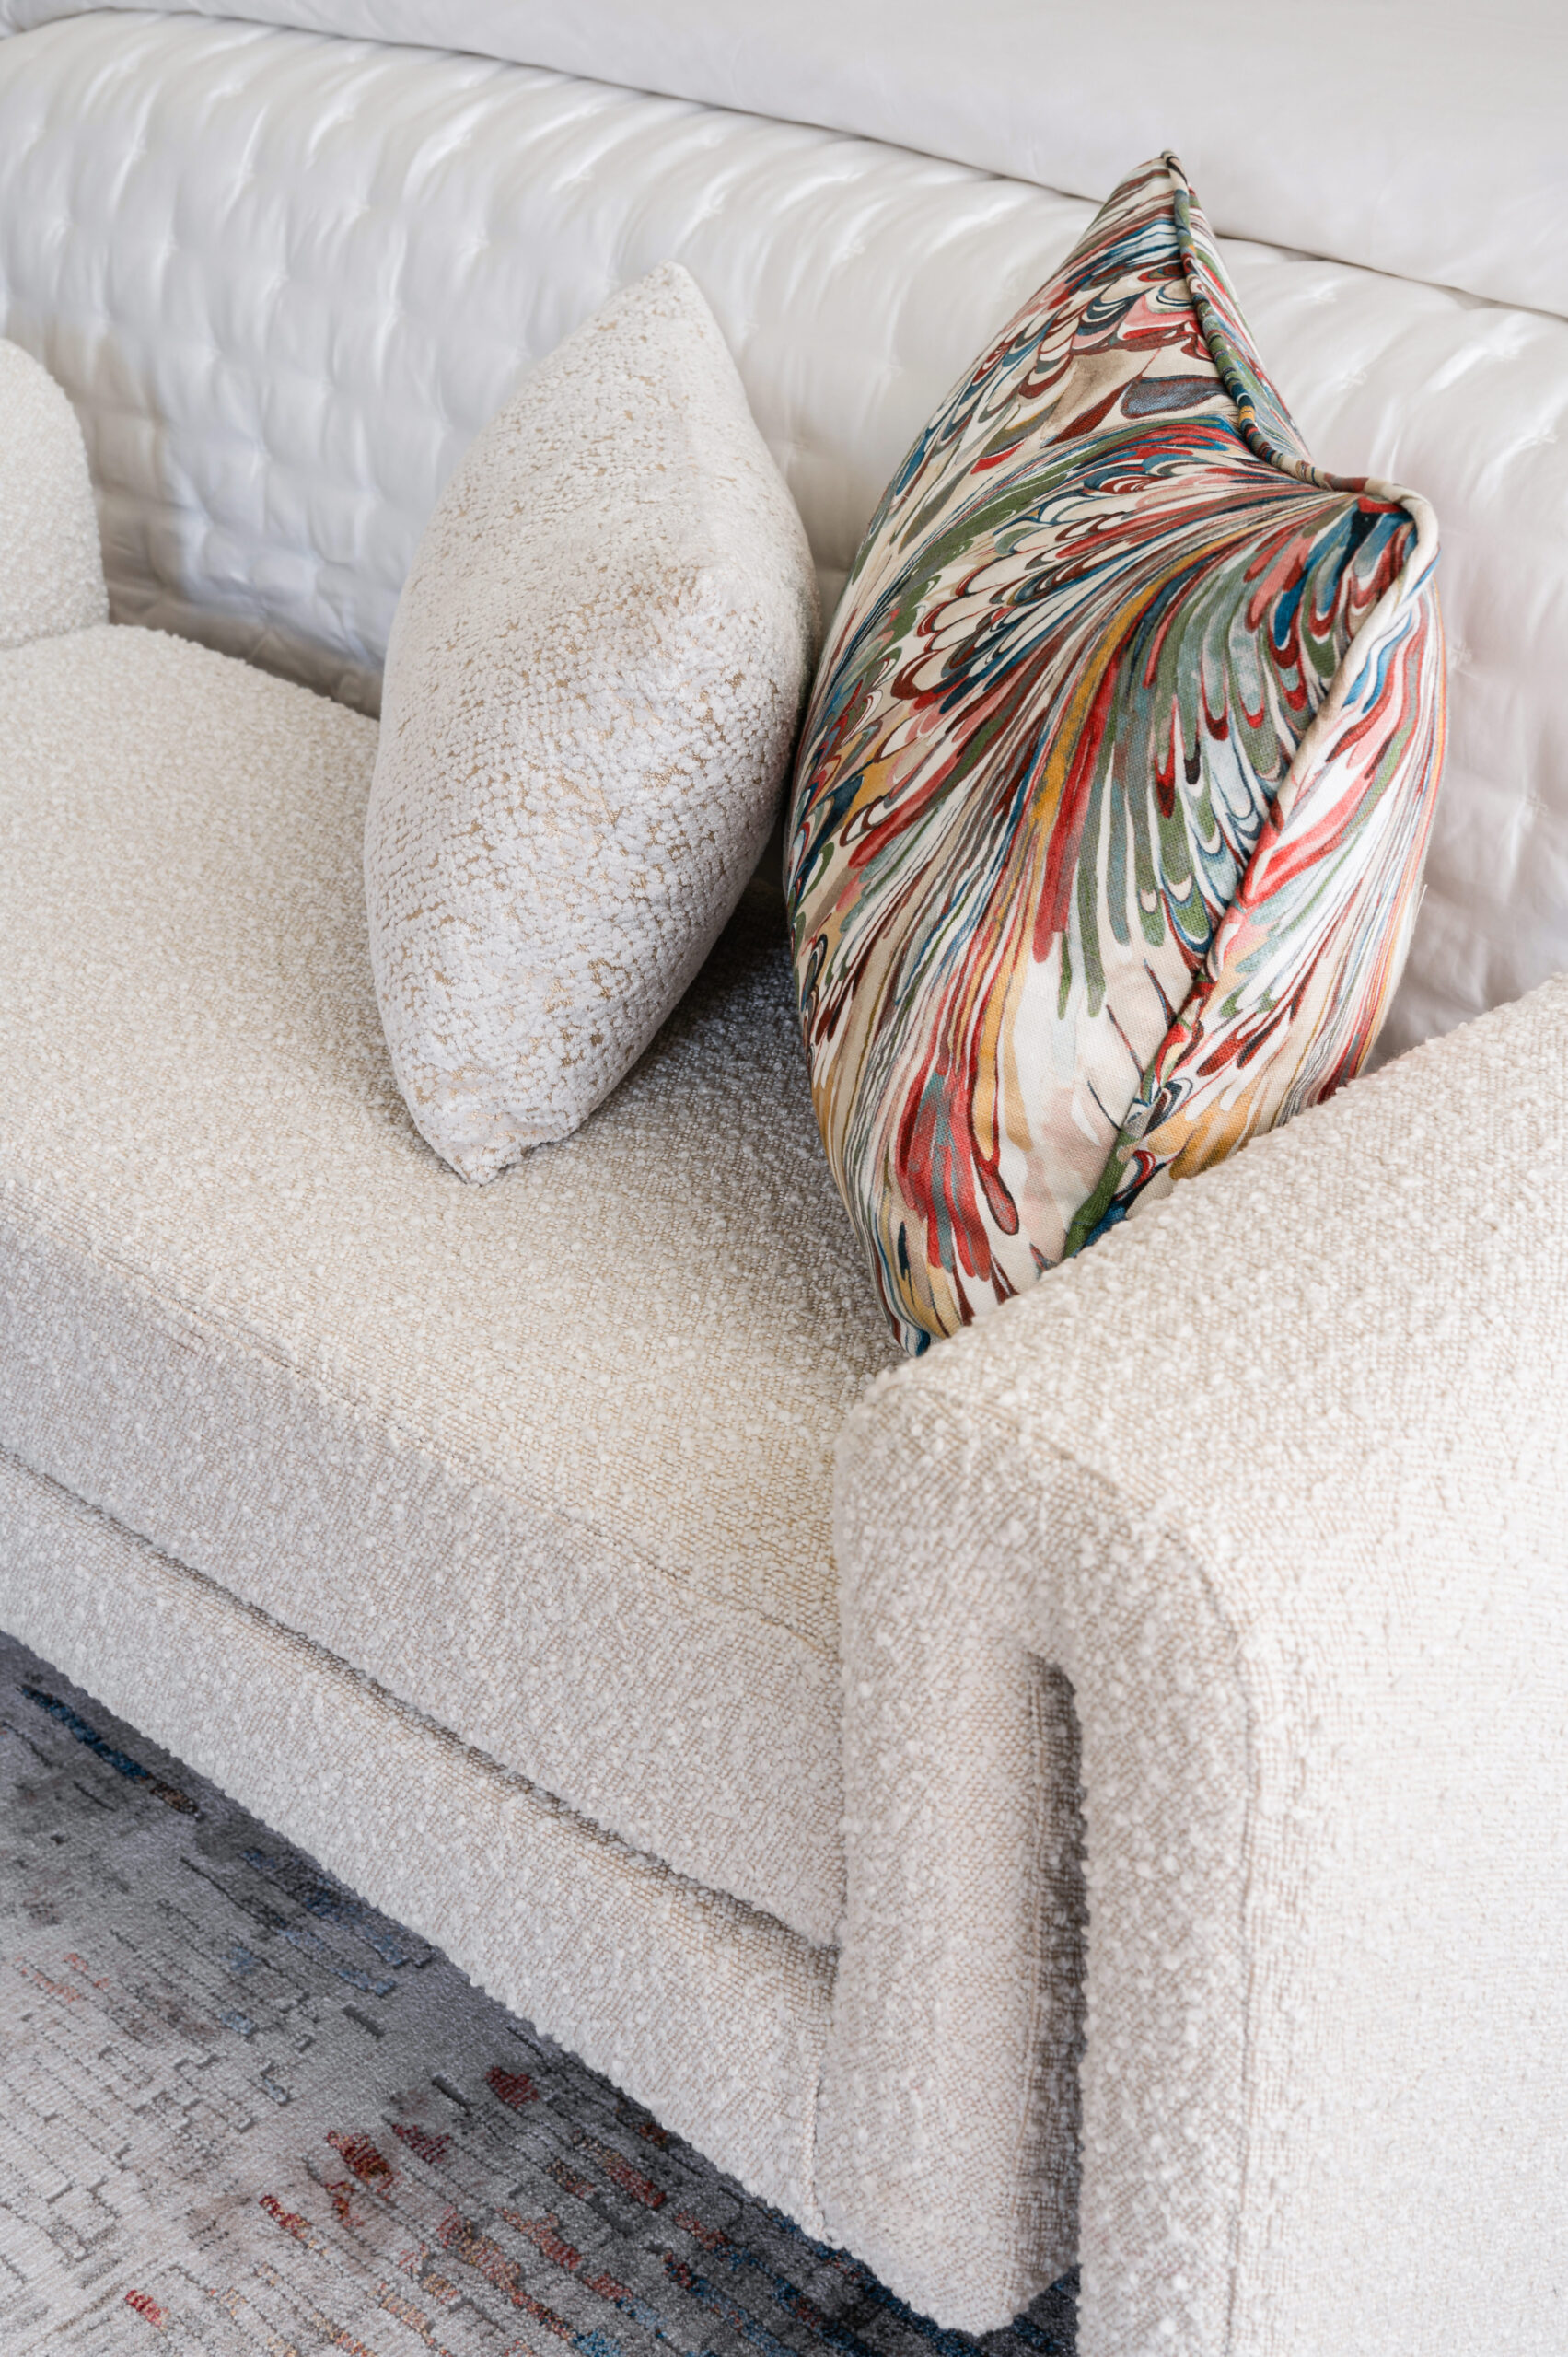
51,568
593,686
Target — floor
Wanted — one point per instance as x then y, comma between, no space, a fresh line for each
242,2112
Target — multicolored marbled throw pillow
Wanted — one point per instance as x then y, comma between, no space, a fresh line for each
1113,795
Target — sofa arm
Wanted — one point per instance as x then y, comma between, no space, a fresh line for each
51,567
1276,1476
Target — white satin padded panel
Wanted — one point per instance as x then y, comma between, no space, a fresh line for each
285,278
1421,137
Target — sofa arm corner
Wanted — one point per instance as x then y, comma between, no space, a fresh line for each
1270,1480
51,565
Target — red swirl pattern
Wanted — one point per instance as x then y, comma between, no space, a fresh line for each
1112,800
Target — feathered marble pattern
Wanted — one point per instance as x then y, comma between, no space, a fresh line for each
1112,799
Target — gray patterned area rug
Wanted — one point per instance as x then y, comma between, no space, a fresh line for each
241,2112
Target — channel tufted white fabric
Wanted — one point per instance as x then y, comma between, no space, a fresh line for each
1422,137
286,279
593,688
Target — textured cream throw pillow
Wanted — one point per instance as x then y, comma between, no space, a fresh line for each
593,687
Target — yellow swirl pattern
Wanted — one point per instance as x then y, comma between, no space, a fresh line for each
1113,795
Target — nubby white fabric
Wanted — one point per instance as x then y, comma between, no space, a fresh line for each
550,1460
592,691
717,2015
1275,1475
208,1051
51,572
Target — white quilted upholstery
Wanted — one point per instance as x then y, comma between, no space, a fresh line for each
1421,136
285,278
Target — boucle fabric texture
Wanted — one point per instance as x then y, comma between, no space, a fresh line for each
712,2015
592,691
550,1460
1114,798
1323,1699
51,568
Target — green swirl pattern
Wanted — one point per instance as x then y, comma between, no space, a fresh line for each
1112,800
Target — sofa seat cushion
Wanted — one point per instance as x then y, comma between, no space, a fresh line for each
547,1460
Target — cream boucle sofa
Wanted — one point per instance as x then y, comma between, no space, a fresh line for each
1124,1818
